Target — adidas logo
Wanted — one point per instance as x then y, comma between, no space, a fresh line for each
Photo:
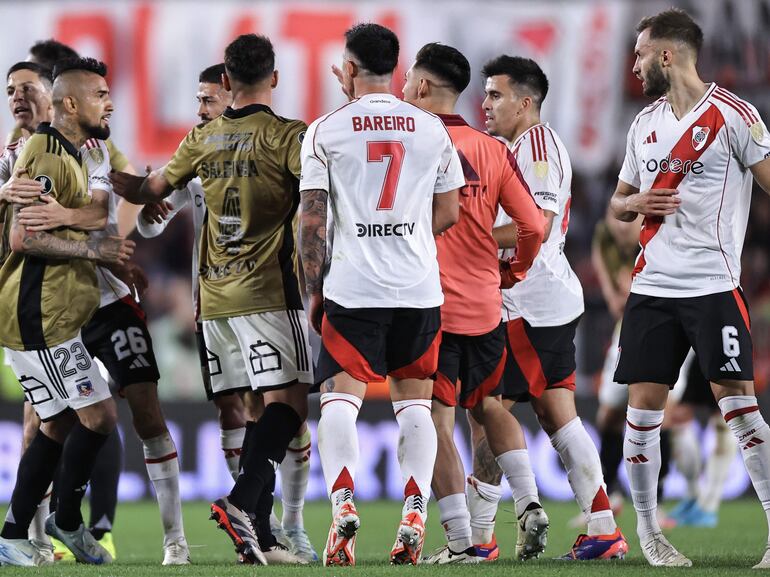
651,138
753,442
139,362
731,366
639,459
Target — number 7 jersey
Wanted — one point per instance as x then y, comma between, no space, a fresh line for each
381,160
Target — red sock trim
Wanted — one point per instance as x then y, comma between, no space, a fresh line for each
341,400
411,489
739,412
412,405
344,481
641,428
300,450
162,459
600,502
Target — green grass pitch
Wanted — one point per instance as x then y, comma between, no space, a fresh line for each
730,549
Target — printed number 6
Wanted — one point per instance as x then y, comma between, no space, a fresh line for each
730,344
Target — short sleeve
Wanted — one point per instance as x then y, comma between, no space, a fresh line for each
295,136
181,168
750,140
629,172
98,163
315,169
450,171
118,160
48,169
540,168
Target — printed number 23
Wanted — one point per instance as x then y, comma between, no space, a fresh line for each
393,151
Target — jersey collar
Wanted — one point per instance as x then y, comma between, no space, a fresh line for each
245,111
452,120
46,128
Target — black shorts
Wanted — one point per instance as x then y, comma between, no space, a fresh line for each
477,362
539,358
697,389
117,335
203,357
371,343
657,332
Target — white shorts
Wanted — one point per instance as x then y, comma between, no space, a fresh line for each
263,351
615,395
61,377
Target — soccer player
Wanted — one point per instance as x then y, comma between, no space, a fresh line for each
389,175
248,160
541,313
213,99
690,157
472,347
41,333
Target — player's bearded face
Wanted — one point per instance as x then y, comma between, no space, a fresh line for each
654,82
97,111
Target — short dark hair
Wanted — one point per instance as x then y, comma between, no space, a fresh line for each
49,52
43,73
249,58
673,24
446,62
212,74
80,64
375,47
522,72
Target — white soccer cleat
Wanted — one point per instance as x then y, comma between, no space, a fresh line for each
445,556
176,552
407,548
533,534
84,547
765,562
17,552
660,553
340,547
279,554
44,554
300,545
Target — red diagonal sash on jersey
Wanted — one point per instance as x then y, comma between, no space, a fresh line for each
684,150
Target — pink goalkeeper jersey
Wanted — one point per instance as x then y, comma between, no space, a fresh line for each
706,156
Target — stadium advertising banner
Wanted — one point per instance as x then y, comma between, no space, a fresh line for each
155,51
205,476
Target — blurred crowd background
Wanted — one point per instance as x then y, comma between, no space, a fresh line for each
156,49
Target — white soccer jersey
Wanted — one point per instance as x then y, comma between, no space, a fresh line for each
551,294
706,156
8,159
97,158
381,160
192,194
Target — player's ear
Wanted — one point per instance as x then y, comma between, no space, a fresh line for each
423,88
666,58
274,79
226,82
350,68
70,104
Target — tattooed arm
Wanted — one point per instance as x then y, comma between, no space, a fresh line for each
312,246
45,245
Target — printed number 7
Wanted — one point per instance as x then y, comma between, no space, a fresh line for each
394,151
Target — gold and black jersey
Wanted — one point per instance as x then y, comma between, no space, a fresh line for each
44,302
617,259
248,161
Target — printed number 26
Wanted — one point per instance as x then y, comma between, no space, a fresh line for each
394,151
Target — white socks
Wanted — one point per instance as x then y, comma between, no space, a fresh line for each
232,441
717,466
518,472
584,472
163,470
483,499
745,421
338,442
456,521
295,470
417,445
641,451
687,456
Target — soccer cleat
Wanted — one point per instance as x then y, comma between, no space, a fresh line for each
590,547
488,551
176,552
277,530
17,552
533,533
765,562
279,554
237,524
60,552
43,552
300,545
682,509
340,547
84,547
409,540
446,556
697,517
108,543
660,553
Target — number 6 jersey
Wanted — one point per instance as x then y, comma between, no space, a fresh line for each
381,160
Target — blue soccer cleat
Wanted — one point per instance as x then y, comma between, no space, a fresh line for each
590,547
